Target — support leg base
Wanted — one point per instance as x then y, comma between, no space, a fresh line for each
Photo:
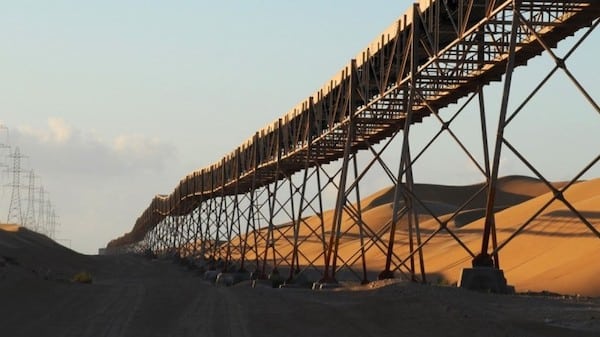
486,279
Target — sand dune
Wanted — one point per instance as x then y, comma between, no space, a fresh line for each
27,255
557,251
554,253
9,227
32,255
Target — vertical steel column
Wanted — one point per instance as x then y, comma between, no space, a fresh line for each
272,201
298,220
295,266
166,235
413,221
334,237
194,227
210,215
251,224
246,237
159,239
210,209
230,218
272,198
484,134
222,209
202,209
404,163
177,234
294,225
163,237
154,244
158,236
228,227
235,213
250,227
484,259
155,240
361,233
171,225
152,238
187,235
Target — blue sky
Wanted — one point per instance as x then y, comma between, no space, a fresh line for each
115,101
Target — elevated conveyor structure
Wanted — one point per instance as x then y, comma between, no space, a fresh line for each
435,54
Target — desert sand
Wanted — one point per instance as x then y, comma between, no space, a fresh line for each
135,296
556,252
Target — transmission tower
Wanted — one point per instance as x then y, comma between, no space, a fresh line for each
30,221
3,164
41,220
51,220
3,171
4,145
15,214
53,225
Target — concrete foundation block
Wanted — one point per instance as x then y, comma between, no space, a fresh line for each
487,279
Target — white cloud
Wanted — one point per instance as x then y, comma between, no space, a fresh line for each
139,147
59,130
63,149
98,184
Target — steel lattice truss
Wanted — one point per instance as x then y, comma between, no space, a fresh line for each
434,55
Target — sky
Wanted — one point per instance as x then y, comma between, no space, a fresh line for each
113,102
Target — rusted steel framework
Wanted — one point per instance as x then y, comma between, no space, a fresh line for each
253,205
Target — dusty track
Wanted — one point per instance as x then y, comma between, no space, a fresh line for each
138,297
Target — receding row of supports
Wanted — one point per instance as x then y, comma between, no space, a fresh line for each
290,226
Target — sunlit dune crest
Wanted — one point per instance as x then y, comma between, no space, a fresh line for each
9,227
555,252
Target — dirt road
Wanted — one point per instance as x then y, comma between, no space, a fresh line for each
138,297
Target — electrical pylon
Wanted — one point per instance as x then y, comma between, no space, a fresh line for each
41,219
3,170
30,220
3,165
15,214
53,225
4,144
51,220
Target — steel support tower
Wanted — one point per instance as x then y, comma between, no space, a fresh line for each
262,206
